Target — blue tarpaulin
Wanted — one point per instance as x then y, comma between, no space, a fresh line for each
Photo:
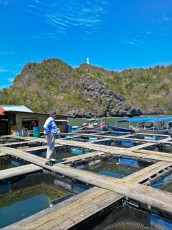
130,162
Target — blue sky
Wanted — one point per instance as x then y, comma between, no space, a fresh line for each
114,34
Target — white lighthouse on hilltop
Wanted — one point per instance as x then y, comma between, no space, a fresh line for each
88,61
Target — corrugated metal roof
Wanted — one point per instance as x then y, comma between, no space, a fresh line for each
16,108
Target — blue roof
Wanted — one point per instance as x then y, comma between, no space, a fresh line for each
137,120
145,119
166,118
16,108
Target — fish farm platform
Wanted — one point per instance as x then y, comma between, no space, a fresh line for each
104,191
77,209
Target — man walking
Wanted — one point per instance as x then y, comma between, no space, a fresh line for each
50,130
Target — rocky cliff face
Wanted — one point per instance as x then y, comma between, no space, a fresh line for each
104,101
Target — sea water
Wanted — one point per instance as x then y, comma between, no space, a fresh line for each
164,183
18,204
61,153
114,167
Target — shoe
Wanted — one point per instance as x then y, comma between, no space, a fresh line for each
49,163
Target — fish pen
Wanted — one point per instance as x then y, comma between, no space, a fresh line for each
112,166
60,154
103,186
161,147
27,194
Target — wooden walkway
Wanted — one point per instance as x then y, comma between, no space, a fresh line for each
120,151
146,194
129,137
84,157
71,212
21,170
17,143
44,147
155,153
148,172
108,190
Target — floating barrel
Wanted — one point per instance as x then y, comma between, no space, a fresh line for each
20,133
69,128
36,131
93,138
127,143
77,151
130,162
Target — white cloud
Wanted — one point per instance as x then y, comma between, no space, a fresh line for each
62,15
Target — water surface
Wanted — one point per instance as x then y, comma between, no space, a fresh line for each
21,203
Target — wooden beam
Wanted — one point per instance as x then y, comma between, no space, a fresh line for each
12,172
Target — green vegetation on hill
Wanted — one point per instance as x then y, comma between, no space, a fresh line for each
43,86
54,84
148,89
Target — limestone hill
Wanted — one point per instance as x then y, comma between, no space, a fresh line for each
90,90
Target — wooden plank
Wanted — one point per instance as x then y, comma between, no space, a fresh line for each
103,148
147,172
83,157
21,170
72,211
92,146
161,154
102,139
141,146
85,176
145,195
50,210
166,138
91,203
44,212
32,149
151,157
76,215
44,147
85,214
37,139
152,197
78,174
50,216
149,196
54,219
21,154
17,143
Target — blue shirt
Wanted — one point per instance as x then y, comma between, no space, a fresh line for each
50,126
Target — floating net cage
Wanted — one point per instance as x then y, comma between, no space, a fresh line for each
164,183
127,217
130,215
